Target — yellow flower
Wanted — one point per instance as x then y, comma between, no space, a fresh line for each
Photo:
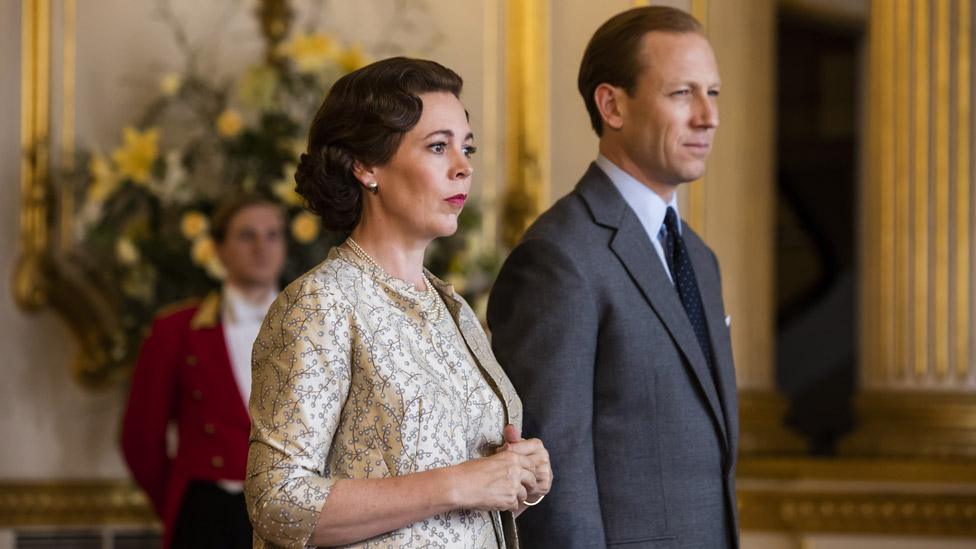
126,252
104,179
170,83
285,191
256,89
310,52
203,251
284,188
134,159
305,227
193,224
229,123
352,58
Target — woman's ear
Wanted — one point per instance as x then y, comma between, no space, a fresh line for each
607,99
366,176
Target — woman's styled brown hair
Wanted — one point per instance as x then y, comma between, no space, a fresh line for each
363,119
613,54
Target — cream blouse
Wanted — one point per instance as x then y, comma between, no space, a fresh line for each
352,379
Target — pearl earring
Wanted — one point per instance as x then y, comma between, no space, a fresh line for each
373,186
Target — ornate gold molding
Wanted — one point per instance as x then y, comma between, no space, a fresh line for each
913,424
527,95
73,503
793,495
35,89
835,512
275,18
49,272
869,470
762,430
858,496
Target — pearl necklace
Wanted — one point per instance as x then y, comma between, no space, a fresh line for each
430,294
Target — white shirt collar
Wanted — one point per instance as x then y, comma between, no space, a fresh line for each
647,204
237,308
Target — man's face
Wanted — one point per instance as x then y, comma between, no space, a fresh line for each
253,250
669,120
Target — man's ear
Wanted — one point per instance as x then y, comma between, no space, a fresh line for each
608,102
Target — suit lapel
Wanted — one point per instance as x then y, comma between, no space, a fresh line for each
631,245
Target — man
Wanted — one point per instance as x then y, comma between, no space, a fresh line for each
194,371
608,315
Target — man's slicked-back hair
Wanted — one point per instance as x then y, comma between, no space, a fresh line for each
613,54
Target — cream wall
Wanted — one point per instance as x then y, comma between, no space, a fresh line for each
573,143
50,427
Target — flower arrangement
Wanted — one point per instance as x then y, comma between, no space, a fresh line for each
145,206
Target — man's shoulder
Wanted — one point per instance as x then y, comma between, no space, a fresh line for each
179,311
194,313
567,217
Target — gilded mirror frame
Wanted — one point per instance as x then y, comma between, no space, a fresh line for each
50,271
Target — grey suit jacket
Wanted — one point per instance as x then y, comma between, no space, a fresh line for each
595,339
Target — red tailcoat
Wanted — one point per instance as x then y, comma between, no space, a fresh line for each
184,375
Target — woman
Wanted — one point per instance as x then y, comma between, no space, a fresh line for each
380,417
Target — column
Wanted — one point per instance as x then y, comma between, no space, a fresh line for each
918,361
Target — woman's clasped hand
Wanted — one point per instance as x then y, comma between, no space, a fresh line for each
517,472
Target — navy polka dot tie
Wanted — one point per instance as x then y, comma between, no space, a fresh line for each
683,276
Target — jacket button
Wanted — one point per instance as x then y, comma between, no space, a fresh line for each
191,360
217,462
209,428
197,394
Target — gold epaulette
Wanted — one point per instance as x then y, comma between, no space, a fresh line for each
177,306
208,313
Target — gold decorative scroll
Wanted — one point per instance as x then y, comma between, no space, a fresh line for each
527,95
35,91
47,273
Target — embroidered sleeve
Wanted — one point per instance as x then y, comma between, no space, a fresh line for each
301,378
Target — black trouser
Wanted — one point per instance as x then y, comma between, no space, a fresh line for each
211,518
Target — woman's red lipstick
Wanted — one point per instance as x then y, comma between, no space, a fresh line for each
457,200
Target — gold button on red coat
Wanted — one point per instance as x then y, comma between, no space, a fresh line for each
191,360
217,461
209,428
197,394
